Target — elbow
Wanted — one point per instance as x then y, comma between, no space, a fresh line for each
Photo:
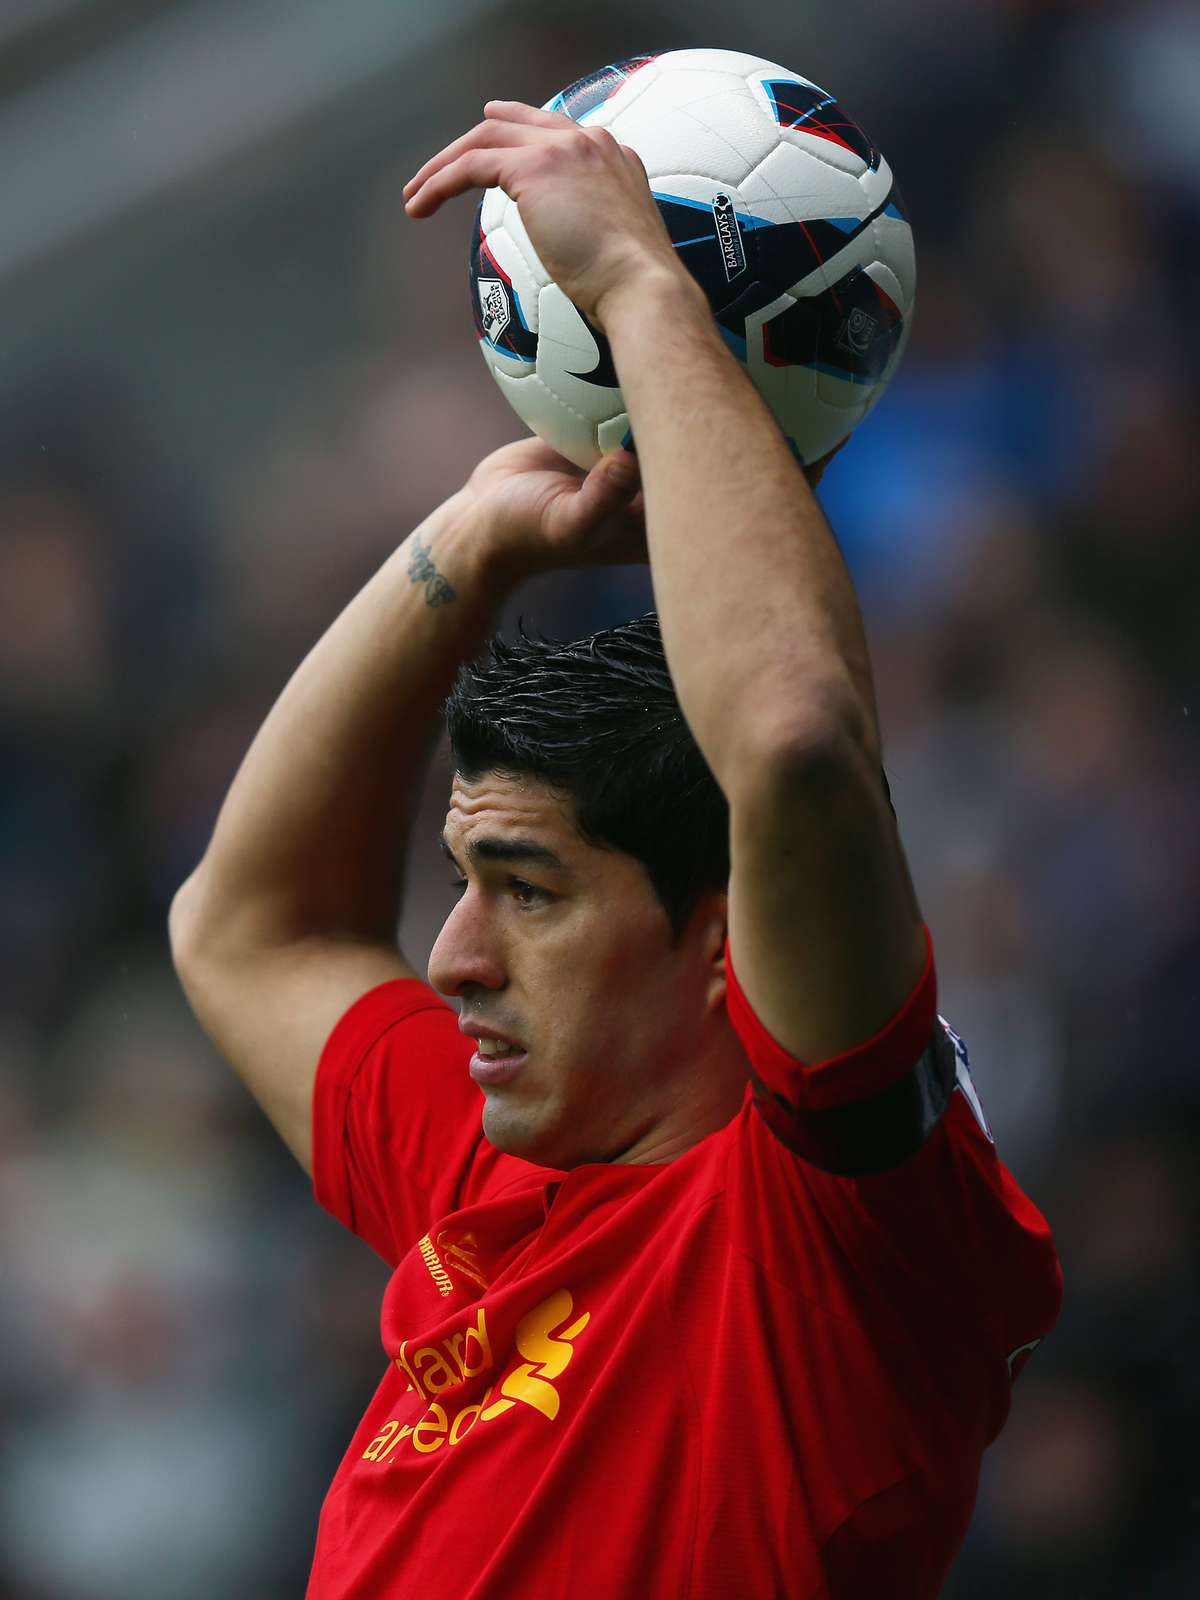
186,931
830,744
832,733
181,924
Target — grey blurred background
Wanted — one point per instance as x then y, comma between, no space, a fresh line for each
233,376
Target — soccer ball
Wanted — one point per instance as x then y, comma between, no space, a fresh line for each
779,204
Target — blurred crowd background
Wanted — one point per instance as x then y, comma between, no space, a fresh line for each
233,376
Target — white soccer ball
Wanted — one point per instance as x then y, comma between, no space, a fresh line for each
779,204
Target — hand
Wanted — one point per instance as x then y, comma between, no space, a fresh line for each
584,198
539,512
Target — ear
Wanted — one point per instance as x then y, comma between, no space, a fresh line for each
716,931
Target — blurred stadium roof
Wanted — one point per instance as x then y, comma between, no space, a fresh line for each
110,103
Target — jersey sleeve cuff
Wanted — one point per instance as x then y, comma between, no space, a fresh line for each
861,1073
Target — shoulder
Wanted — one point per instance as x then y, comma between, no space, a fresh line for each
366,1033
397,1124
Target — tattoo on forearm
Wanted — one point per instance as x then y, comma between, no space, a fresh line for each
422,570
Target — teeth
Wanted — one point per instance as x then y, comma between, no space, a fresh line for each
497,1047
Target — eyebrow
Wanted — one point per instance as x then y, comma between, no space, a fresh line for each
489,848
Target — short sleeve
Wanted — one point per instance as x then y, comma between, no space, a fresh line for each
397,1131
864,1110
898,1214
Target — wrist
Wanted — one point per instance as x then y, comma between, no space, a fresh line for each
478,556
664,296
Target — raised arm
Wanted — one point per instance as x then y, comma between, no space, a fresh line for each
765,642
292,912
759,619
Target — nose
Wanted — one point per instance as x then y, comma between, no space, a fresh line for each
466,953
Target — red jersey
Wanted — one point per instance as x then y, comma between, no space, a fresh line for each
768,1368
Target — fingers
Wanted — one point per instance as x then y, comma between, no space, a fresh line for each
518,111
474,169
485,136
507,124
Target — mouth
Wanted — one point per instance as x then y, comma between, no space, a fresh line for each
496,1058
489,1070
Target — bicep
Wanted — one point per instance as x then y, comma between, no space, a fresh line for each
824,928
270,1013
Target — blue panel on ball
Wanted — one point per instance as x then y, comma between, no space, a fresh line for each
587,93
715,241
779,254
735,341
850,331
791,251
810,110
743,262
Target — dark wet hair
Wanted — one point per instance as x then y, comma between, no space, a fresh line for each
598,721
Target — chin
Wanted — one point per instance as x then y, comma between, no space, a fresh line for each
517,1133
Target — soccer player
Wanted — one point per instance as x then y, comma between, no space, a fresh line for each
708,1281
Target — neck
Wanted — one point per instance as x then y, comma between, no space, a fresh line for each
708,1098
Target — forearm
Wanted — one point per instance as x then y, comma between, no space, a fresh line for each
760,622
311,837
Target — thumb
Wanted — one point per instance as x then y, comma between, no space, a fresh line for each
621,466
608,488
607,501
621,471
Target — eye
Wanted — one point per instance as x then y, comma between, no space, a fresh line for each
458,884
528,894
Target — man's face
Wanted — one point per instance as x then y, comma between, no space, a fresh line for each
565,949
